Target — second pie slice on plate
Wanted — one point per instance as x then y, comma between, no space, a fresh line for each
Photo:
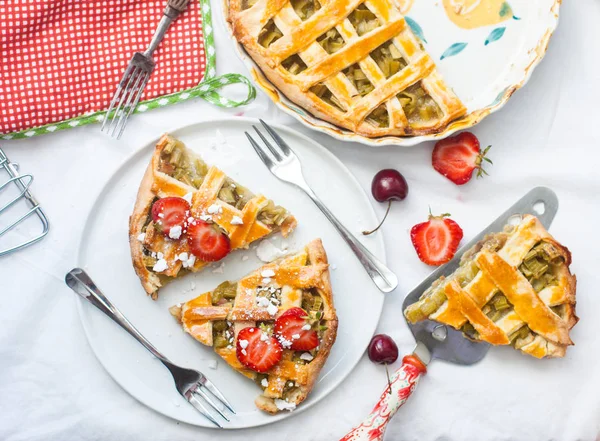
276,325
188,214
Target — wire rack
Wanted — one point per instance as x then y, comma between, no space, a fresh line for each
22,184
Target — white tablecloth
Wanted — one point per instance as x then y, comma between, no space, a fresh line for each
53,388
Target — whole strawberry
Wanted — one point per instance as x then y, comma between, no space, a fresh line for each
436,240
457,157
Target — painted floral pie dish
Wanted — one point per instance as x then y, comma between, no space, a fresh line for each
391,71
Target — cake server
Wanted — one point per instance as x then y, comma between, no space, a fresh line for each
437,341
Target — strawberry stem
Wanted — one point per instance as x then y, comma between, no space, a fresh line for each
366,233
479,162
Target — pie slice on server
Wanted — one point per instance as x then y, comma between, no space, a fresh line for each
188,214
513,287
276,326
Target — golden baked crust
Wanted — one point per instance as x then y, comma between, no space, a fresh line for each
297,277
513,287
305,69
204,184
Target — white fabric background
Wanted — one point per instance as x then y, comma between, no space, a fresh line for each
53,388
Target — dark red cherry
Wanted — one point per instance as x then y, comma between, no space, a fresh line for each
388,185
383,349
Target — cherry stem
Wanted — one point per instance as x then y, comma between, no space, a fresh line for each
366,233
387,372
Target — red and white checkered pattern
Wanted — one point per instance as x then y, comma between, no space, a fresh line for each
63,58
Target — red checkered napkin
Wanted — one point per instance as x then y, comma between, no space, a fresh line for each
63,58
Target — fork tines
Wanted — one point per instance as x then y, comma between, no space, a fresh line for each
127,96
279,153
197,395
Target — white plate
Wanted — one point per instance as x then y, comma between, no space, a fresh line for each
104,253
492,61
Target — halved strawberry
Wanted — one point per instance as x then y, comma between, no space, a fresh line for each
206,241
436,240
458,156
256,350
294,328
170,212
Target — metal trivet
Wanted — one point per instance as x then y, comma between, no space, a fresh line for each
22,183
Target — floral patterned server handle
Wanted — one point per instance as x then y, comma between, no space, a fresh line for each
404,381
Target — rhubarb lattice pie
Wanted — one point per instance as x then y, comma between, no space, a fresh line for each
514,287
276,326
188,214
353,63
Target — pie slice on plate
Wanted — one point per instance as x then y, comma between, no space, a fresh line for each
353,63
276,326
188,214
514,287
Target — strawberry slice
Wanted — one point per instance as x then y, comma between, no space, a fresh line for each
294,328
436,240
458,156
257,350
206,241
169,213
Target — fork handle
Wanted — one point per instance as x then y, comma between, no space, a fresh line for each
83,285
383,277
172,11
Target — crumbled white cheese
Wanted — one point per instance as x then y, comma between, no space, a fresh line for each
266,280
267,273
159,255
295,336
188,197
272,309
219,269
243,344
306,327
236,220
290,384
264,382
284,343
244,352
264,336
214,209
262,302
284,405
160,265
187,260
267,252
161,215
206,217
213,364
190,220
306,356
141,237
175,232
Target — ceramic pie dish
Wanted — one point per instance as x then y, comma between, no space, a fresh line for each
481,51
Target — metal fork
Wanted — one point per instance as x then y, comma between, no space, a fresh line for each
284,164
136,76
191,384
